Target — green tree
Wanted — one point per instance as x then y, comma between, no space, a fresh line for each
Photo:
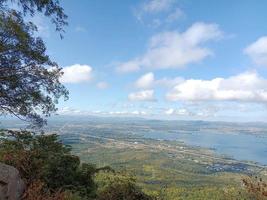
29,79
117,186
43,158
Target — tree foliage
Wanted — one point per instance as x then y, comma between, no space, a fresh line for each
37,191
43,158
117,186
50,8
29,79
52,172
256,187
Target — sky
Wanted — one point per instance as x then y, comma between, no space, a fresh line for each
165,59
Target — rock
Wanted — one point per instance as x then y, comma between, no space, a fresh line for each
11,185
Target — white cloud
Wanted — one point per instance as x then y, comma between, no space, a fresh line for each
176,14
144,95
68,111
155,13
168,82
169,111
137,112
130,66
181,111
155,6
257,51
174,49
102,85
247,87
76,73
146,81
125,113
117,113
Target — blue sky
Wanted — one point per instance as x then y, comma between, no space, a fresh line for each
170,59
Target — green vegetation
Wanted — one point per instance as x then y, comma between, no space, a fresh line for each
50,170
164,171
29,79
118,186
256,187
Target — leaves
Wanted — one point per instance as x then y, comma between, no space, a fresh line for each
256,187
29,79
44,159
118,186
50,8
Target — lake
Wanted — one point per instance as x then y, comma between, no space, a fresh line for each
239,146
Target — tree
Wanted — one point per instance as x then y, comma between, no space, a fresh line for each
29,79
46,164
114,185
256,187
51,172
49,8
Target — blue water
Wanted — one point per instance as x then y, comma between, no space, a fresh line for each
246,147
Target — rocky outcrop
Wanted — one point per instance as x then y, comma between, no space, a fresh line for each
11,185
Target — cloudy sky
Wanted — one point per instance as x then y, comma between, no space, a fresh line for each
168,59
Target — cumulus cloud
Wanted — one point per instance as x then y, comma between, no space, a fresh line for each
145,81
247,87
148,80
102,85
169,111
143,95
76,74
175,49
257,51
168,82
